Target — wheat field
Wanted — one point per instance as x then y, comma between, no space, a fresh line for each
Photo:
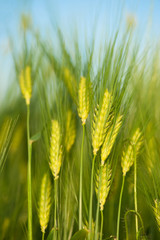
80,139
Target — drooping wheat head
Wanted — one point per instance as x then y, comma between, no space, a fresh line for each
110,139
55,149
99,122
131,151
44,202
70,130
83,100
156,210
104,184
26,84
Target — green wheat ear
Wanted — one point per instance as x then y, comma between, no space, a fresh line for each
99,122
156,210
55,149
70,130
26,84
128,155
83,100
45,202
110,139
105,183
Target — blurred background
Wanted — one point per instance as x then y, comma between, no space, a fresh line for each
83,18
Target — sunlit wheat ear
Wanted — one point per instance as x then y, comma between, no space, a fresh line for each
83,100
71,83
105,183
156,210
99,122
70,130
26,84
45,202
110,139
128,154
55,149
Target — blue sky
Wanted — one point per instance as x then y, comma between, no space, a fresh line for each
83,15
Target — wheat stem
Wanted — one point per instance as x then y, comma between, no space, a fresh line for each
101,233
97,219
119,207
43,236
135,194
29,177
66,197
97,212
81,183
91,198
55,209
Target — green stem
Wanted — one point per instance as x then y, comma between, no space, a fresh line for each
81,183
67,180
97,220
43,236
135,195
97,212
126,225
55,210
91,198
29,178
119,207
101,225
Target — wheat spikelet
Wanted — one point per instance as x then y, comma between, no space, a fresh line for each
45,202
83,100
70,131
137,140
70,82
55,149
99,122
110,139
25,84
156,210
128,155
105,183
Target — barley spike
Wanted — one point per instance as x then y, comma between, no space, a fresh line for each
45,202
25,84
99,122
55,149
128,154
83,100
110,139
105,183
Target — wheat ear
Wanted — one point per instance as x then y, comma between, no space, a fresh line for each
83,100
55,149
26,84
45,202
70,130
99,122
102,183
131,151
110,139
